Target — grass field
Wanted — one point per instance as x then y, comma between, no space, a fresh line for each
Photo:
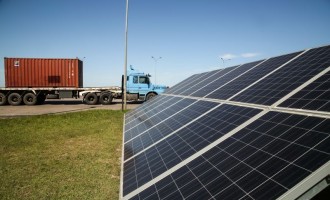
67,156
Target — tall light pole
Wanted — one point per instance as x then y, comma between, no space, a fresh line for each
124,98
155,59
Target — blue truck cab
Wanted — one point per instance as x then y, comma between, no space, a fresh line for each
139,86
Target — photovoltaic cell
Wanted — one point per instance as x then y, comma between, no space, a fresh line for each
196,79
146,113
166,127
181,84
228,90
130,115
171,151
235,71
288,78
315,96
242,168
211,76
155,119
133,117
148,109
208,87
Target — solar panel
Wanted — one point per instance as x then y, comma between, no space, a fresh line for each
238,84
281,82
170,108
192,81
154,104
255,131
252,163
225,79
181,84
315,96
183,144
134,118
213,83
161,130
210,77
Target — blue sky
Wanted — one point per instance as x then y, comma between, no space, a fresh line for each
190,35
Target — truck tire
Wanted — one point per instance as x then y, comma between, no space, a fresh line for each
14,99
150,96
91,98
105,98
3,99
30,99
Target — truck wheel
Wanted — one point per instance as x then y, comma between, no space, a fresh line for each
3,99
150,96
14,99
105,98
30,99
91,98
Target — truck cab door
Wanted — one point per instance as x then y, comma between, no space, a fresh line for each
139,84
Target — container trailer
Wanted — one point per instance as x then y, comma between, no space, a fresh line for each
30,81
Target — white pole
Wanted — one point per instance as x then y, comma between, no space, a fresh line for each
124,106
156,59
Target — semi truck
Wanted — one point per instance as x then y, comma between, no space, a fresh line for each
30,81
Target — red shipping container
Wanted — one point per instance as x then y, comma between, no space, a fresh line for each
43,72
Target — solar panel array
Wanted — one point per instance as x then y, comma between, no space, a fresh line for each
260,130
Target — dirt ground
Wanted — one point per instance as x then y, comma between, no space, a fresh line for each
54,106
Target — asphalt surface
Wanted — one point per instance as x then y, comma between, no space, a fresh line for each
55,106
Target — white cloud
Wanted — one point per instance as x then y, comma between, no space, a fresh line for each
228,56
249,55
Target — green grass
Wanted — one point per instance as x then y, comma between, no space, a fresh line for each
67,156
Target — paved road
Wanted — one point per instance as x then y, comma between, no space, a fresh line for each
53,106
